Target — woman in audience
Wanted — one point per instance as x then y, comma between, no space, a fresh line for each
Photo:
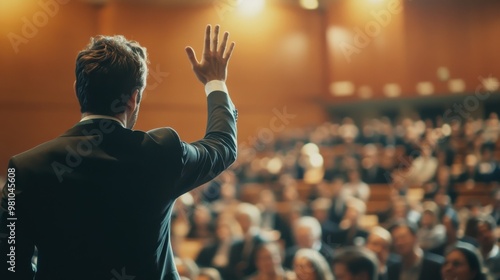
309,264
216,254
201,223
268,261
355,187
464,262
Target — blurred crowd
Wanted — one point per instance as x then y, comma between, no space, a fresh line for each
282,232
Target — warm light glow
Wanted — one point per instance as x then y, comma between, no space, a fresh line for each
309,4
251,7
309,149
316,161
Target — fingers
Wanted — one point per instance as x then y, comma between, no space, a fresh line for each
224,43
208,31
192,56
216,38
227,56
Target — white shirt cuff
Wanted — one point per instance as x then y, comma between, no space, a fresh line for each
215,85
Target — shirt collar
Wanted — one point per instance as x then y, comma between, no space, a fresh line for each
93,117
494,251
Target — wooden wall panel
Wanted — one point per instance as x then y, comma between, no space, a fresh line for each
278,62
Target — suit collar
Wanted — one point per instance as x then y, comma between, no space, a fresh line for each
93,127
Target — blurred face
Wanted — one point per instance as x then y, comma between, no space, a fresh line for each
404,241
304,237
341,272
223,231
266,260
244,221
456,267
351,214
304,269
486,236
320,214
428,220
379,246
228,191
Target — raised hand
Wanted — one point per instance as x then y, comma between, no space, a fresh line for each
215,58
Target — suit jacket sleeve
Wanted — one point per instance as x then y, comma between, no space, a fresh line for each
204,159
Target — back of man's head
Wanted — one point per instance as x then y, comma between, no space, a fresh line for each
107,72
359,262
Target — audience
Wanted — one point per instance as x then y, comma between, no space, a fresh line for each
415,264
350,232
431,232
464,262
269,264
380,242
352,263
309,264
307,232
216,254
312,200
488,244
209,273
242,253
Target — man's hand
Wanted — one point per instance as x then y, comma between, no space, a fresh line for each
213,64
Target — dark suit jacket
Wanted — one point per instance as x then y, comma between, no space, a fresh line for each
97,201
431,268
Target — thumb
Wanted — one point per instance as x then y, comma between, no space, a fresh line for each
192,56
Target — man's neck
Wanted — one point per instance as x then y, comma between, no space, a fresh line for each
119,118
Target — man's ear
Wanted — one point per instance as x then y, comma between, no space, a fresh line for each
133,102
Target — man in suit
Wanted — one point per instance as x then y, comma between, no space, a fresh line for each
97,201
379,241
349,232
242,253
415,264
488,244
307,233
355,263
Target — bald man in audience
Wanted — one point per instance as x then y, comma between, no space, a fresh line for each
307,232
379,241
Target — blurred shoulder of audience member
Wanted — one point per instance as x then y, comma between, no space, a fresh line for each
187,268
208,273
355,263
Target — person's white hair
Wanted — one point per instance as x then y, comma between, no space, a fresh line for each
311,223
357,204
251,211
318,262
382,233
